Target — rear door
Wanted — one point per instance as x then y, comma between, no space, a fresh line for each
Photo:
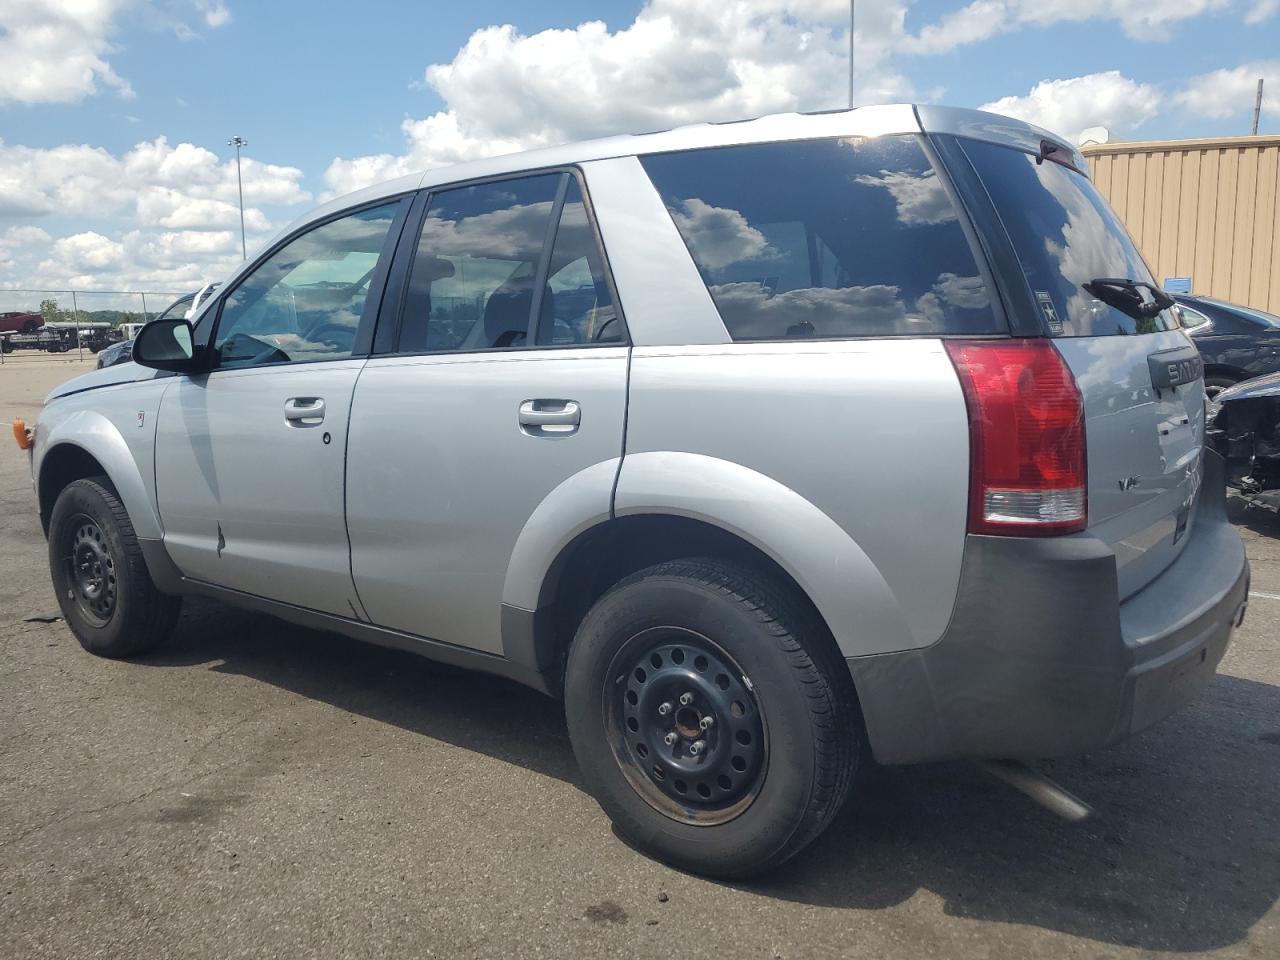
1140,377
506,379
250,456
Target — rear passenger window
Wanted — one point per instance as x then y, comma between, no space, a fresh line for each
471,285
577,307
825,239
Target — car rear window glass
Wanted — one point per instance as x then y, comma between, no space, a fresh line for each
577,307
832,238
1065,236
471,286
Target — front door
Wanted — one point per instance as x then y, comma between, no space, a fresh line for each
509,378
250,456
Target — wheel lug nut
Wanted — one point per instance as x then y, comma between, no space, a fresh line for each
706,722
669,739
697,747
686,699
664,709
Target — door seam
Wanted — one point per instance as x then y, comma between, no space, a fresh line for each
362,613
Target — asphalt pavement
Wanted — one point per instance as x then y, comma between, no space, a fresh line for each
261,790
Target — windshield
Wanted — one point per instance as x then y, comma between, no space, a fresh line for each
1066,238
177,310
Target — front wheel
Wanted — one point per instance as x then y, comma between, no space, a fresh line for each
104,588
712,716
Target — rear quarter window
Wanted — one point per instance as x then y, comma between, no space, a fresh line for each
826,239
1065,235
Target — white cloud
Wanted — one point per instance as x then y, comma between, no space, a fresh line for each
215,12
677,62
172,261
159,183
1262,10
720,236
170,213
56,51
1230,92
83,252
1066,107
983,19
17,241
919,199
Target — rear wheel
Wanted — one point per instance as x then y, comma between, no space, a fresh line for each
104,588
712,717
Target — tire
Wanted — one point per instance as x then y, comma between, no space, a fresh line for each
1215,385
778,760
104,588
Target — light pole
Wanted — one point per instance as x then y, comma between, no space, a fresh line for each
239,142
853,7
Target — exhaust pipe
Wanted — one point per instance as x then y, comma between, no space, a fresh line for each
1039,788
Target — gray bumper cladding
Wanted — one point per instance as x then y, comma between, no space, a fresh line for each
1042,660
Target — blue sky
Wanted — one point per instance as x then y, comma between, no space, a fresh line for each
98,189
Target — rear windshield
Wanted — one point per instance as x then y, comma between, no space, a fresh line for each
1065,236
825,239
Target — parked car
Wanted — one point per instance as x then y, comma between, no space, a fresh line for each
15,321
1244,427
763,445
1236,342
123,351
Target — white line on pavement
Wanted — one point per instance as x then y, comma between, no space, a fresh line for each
1264,596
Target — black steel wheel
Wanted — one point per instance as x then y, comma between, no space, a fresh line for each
92,570
686,726
712,716
105,591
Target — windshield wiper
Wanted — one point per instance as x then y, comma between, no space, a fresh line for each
1126,295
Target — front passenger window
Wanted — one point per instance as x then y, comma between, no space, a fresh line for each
305,301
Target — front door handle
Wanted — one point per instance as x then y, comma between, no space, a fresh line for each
304,411
550,418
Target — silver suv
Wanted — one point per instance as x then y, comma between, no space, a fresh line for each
770,447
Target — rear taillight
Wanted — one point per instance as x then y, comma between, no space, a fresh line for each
1026,438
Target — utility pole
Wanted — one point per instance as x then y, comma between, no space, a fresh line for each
853,7
1257,108
239,142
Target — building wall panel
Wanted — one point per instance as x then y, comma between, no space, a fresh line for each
1208,209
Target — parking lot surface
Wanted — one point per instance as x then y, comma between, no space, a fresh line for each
260,790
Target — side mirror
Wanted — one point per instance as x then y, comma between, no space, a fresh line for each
165,345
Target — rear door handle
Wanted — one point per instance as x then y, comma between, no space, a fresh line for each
550,418
304,411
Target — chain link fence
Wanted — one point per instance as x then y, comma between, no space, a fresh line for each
50,324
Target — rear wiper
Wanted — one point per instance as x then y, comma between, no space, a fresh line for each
1127,295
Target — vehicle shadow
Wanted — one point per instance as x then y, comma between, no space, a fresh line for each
1258,519
1183,853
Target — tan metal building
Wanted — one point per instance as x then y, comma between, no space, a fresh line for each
1204,209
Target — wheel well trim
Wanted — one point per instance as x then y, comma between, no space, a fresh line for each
95,435
826,564
576,505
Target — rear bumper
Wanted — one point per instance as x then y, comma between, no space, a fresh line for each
1041,658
